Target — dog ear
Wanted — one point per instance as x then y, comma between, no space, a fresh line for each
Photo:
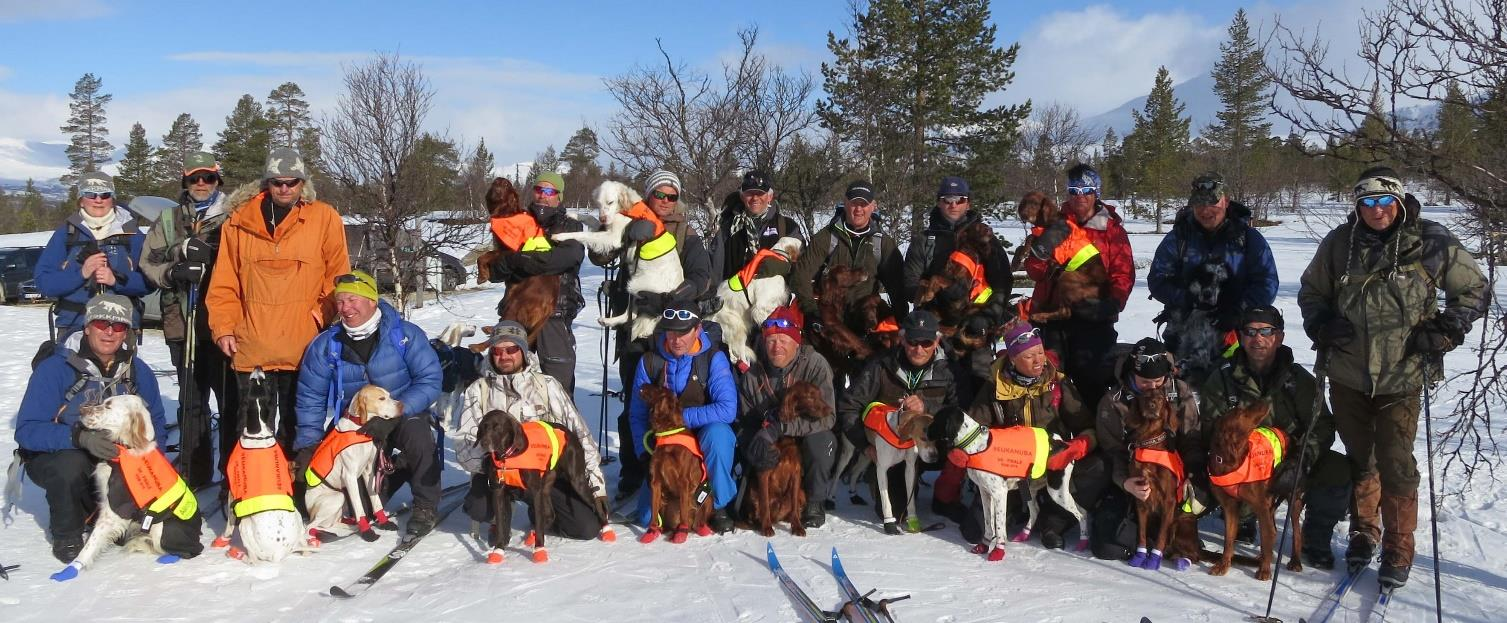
357,410
137,432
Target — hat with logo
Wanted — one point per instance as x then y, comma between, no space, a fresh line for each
1208,189
755,180
96,182
921,325
1378,181
110,308
860,189
953,186
200,161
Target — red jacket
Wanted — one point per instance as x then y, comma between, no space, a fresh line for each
1107,232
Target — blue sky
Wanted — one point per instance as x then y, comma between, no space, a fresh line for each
526,74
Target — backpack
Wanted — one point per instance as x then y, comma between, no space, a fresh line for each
333,359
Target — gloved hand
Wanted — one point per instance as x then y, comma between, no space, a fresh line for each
1335,332
1076,449
1434,336
957,457
640,230
301,460
95,442
958,291
1044,244
187,272
650,303
1096,310
378,428
519,264
196,250
977,324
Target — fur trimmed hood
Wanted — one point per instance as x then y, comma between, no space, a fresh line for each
246,191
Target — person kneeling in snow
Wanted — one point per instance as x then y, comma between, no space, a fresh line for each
514,382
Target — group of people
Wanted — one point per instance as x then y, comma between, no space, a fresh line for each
260,279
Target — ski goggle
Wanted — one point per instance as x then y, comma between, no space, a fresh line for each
347,278
1379,201
679,314
1078,191
780,323
665,196
547,192
105,195
1025,337
1261,331
100,324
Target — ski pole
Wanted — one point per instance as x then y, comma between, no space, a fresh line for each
1428,440
1319,372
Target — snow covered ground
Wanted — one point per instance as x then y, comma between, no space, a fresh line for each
723,578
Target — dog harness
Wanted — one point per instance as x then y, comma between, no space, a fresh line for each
154,485
259,480
1266,446
677,437
329,449
1014,452
663,241
544,447
519,232
981,291
876,417
1073,252
746,276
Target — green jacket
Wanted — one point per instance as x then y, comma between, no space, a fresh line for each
1386,283
164,248
834,246
1287,387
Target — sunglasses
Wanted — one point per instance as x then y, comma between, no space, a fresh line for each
782,323
665,196
1025,337
96,195
1261,331
1207,185
347,278
679,314
547,192
859,202
1141,359
1079,191
105,325
204,178
285,183
921,343
507,349
1381,201
953,199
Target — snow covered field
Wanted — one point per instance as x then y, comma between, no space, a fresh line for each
724,578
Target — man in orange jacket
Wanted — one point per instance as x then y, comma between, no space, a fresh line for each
280,251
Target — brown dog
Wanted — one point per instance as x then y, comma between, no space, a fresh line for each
843,349
1241,470
974,245
877,320
777,493
530,300
676,471
1089,281
1150,425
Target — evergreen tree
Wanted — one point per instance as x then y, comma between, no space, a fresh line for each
476,177
1455,137
580,154
135,178
1112,164
906,94
1243,86
182,139
547,160
1161,143
88,149
244,143
288,115
33,208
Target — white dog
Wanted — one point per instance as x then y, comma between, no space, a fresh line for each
343,470
749,305
994,491
260,485
659,274
152,502
896,436
447,408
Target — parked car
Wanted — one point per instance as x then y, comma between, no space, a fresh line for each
368,252
17,265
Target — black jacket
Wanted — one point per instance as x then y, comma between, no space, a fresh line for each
563,259
873,251
928,255
729,251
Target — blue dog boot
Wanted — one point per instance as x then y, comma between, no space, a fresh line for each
68,573
1139,558
1154,562
1183,564
167,559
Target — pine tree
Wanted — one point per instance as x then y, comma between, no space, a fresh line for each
182,139
580,154
135,177
88,149
547,160
1243,86
243,144
1455,137
1161,142
476,177
288,114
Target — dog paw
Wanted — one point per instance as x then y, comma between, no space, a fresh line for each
649,536
219,542
766,532
1082,545
891,527
608,535
796,529
369,535
1219,569
1295,565
541,555
494,557
979,548
858,500
997,554
235,553
1022,536
703,530
1264,574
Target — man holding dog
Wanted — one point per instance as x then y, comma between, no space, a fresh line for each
59,455
853,238
783,361
513,383
372,344
690,363
750,224
1263,370
929,255
1210,267
1370,303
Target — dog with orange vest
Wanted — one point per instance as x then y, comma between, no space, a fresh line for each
343,471
260,485
748,299
1243,461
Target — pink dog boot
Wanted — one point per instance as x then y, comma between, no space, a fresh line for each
494,557
679,534
997,554
236,553
703,530
220,541
528,541
608,535
979,548
1082,544
649,536
313,540
1022,536
541,555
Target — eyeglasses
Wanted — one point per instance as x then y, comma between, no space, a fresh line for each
1078,191
665,196
920,343
859,202
507,349
100,324
204,178
96,195
285,183
546,191
1381,201
781,323
1208,185
1261,331
679,314
953,199
1034,333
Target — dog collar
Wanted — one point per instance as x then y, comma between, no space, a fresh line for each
667,433
963,443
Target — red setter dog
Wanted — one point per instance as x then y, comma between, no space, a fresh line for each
1241,454
843,349
676,471
1089,281
777,493
528,301
876,318
1151,424
975,241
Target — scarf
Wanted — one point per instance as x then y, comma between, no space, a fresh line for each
101,226
1021,379
365,329
751,226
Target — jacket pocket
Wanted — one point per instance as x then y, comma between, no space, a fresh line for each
275,281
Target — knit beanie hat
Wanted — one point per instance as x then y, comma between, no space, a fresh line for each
659,178
1021,337
785,320
1150,359
554,179
285,162
1378,181
1084,176
358,282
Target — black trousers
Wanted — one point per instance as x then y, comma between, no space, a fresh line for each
67,478
557,353
411,451
818,459
284,385
1084,348
631,471
211,375
575,515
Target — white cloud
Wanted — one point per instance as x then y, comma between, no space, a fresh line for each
14,11
17,161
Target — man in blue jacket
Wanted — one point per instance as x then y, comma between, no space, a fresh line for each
1211,267
96,250
372,344
59,455
691,364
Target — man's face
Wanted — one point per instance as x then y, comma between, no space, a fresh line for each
858,212
202,184
284,190
679,343
919,352
781,349
105,337
953,207
1082,206
542,195
354,310
507,357
1144,385
1260,349
1210,217
97,204
662,200
1032,362
1380,215
757,201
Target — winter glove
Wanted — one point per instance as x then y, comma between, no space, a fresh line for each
1044,244
1335,332
1434,336
1076,449
196,250
958,291
519,264
1096,310
187,272
301,460
760,452
640,230
379,428
95,442
650,303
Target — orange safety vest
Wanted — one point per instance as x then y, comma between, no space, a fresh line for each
259,480
154,485
981,291
1014,452
324,456
1075,251
1231,344
519,232
876,417
545,444
1266,447
678,437
887,325
1165,458
746,276
641,211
